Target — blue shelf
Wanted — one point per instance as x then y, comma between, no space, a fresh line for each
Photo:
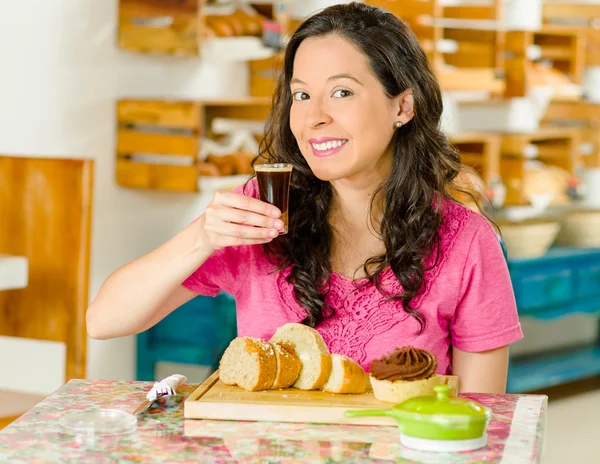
197,333
558,254
554,368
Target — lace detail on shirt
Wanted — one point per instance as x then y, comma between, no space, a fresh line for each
361,312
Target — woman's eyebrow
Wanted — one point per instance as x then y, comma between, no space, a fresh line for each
344,76
295,80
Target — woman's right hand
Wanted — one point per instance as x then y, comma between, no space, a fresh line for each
232,219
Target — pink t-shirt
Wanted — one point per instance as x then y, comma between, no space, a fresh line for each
468,300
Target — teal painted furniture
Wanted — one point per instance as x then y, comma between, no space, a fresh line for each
197,333
565,281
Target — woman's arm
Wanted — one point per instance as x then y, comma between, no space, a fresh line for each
483,372
141,293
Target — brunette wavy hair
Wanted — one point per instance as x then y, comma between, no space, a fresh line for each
424,165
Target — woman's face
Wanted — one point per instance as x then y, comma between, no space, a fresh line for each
341,117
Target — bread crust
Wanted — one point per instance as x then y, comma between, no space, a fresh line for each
353,378
318,349
288,365
262,357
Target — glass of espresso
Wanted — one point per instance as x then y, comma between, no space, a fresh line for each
274,187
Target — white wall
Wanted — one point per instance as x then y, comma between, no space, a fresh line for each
60,77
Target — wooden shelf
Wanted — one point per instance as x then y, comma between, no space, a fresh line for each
158,141
545,370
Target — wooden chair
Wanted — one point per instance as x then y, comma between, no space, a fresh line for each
45,215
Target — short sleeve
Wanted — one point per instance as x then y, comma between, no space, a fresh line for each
226,269
222,271
486,316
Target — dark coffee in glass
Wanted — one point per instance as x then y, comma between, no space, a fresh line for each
274,187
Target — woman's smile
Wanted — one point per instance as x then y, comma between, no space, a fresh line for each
324,147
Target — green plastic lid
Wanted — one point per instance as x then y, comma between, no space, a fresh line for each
443,404
437,417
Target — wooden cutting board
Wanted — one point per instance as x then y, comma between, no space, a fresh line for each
215,400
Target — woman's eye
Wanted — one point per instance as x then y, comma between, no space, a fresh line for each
299,96
342,93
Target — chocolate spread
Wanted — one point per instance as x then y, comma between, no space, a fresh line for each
407,363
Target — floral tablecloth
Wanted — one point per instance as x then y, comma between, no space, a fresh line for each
515,434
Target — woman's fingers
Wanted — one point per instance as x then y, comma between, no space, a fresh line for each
245,203
235,220
240,231
240,216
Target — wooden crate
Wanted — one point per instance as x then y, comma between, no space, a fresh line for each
264,75
580,114
158,141
150,132
583,16
172,28
552,146
480,151
178,27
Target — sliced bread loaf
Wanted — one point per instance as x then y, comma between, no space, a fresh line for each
288,365
312,351
250,363
346,376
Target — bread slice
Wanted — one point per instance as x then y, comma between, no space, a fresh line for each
398,391
314,355
249,363
346,376
288,365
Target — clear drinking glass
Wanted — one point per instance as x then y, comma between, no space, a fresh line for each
274,187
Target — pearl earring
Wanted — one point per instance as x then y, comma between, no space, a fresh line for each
398,125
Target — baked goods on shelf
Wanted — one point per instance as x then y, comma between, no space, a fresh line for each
241,22
235,164
404,373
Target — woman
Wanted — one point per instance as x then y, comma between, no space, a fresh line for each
377,255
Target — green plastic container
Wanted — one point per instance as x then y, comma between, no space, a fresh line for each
438,422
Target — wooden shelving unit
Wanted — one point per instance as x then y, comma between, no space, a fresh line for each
563,47
158,141
464,57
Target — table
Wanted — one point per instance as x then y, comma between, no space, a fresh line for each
13,272
515,434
